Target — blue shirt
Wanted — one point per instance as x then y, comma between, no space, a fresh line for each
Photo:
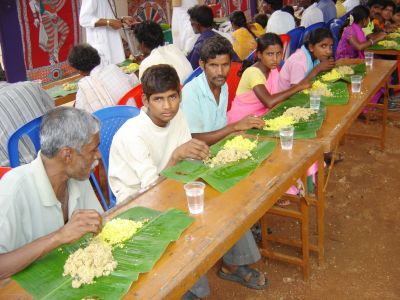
200,107
194,55
328,9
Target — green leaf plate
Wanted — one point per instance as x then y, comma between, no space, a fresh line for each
43,279
223,177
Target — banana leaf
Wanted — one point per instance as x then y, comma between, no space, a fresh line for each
125,63
58,91
359,69
303,129
222,177
44,280
380,47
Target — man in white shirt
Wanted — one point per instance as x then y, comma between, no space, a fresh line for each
280,22
99,18
102,85
50,202
311,15
350,4
183,35
151,43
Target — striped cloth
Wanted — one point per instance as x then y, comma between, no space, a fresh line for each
20,103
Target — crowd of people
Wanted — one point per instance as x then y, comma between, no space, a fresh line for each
49,201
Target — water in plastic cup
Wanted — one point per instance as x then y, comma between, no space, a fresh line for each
369,58
315,100
195,196
356,83
286,135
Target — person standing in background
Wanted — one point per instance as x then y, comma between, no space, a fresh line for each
99,18
183,35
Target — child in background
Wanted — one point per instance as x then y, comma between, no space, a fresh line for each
244,40
258,87
353,40
313,57
260,22
396,17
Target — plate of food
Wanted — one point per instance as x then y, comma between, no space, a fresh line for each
230,160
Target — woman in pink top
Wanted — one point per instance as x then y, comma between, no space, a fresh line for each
313,57
258,87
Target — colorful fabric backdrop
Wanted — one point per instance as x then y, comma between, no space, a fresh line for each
49,29
148,10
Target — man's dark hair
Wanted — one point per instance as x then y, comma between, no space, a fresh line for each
150,34
159,79
289,9
261,19
202,14
387,3
275,4
216,45
84,58
374,3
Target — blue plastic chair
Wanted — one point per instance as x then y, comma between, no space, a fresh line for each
31,129
194,74
111,119
345,16
296,36
335,30
252,55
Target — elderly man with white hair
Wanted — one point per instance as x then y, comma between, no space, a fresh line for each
50,202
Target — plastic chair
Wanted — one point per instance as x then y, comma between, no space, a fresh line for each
194,74
233,81
335,30
32,129
111,119
296,37
135,94
252,55
285,38
4,170
345,16
312,28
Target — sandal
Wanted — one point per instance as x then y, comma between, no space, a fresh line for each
245,276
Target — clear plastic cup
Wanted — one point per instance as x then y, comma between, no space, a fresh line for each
315,100
369,58
286,136
356,83
195,196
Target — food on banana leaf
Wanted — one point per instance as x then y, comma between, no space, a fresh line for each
117,231
321,87
234,150
86,264
345,70
299,113
277,123
388,44
96,260
331,76
70,86
393,35
132,67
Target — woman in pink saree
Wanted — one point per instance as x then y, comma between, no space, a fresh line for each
258,87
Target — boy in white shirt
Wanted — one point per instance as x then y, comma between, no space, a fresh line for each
159,137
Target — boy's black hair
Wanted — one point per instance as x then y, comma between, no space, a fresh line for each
202,14
386,3
375,2
159,79
238,19
261,19
216,45
289,9
84,57
150,34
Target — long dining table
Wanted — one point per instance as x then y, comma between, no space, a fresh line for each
226,217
